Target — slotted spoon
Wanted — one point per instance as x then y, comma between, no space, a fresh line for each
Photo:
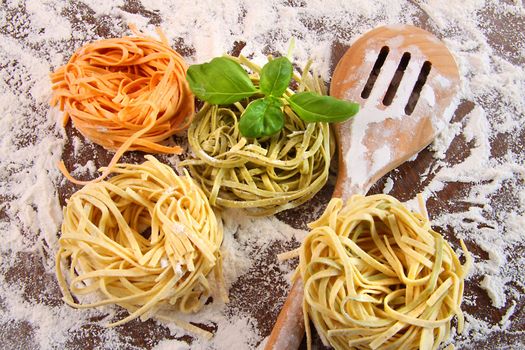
406,82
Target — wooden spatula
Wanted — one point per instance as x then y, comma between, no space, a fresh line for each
406,82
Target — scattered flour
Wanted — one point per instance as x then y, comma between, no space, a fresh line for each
389,185
89,168
496,290
489,208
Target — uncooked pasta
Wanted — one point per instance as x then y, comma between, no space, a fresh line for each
146,239
125,94
376,276
264,175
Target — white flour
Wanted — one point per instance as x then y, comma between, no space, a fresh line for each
488,206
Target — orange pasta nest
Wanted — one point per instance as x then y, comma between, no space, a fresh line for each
126,93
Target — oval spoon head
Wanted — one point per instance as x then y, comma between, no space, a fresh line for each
406,81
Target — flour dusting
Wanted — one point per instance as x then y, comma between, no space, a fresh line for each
478,161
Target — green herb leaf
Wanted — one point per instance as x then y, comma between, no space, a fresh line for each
312,107
262,117
275,76
222,81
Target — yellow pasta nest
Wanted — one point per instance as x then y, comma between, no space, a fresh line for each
265,175
145,239
376,276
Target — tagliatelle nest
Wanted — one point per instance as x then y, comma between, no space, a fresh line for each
264,175
376,276
125,94
146,239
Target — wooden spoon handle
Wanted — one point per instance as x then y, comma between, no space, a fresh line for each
288,331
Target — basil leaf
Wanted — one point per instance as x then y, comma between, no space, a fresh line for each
222,81
275,76
312,107
262,117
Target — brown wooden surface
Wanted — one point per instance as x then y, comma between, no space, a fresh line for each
255,293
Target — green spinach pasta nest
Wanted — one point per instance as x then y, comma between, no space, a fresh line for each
264,175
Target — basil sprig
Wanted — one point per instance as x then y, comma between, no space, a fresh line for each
224,81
